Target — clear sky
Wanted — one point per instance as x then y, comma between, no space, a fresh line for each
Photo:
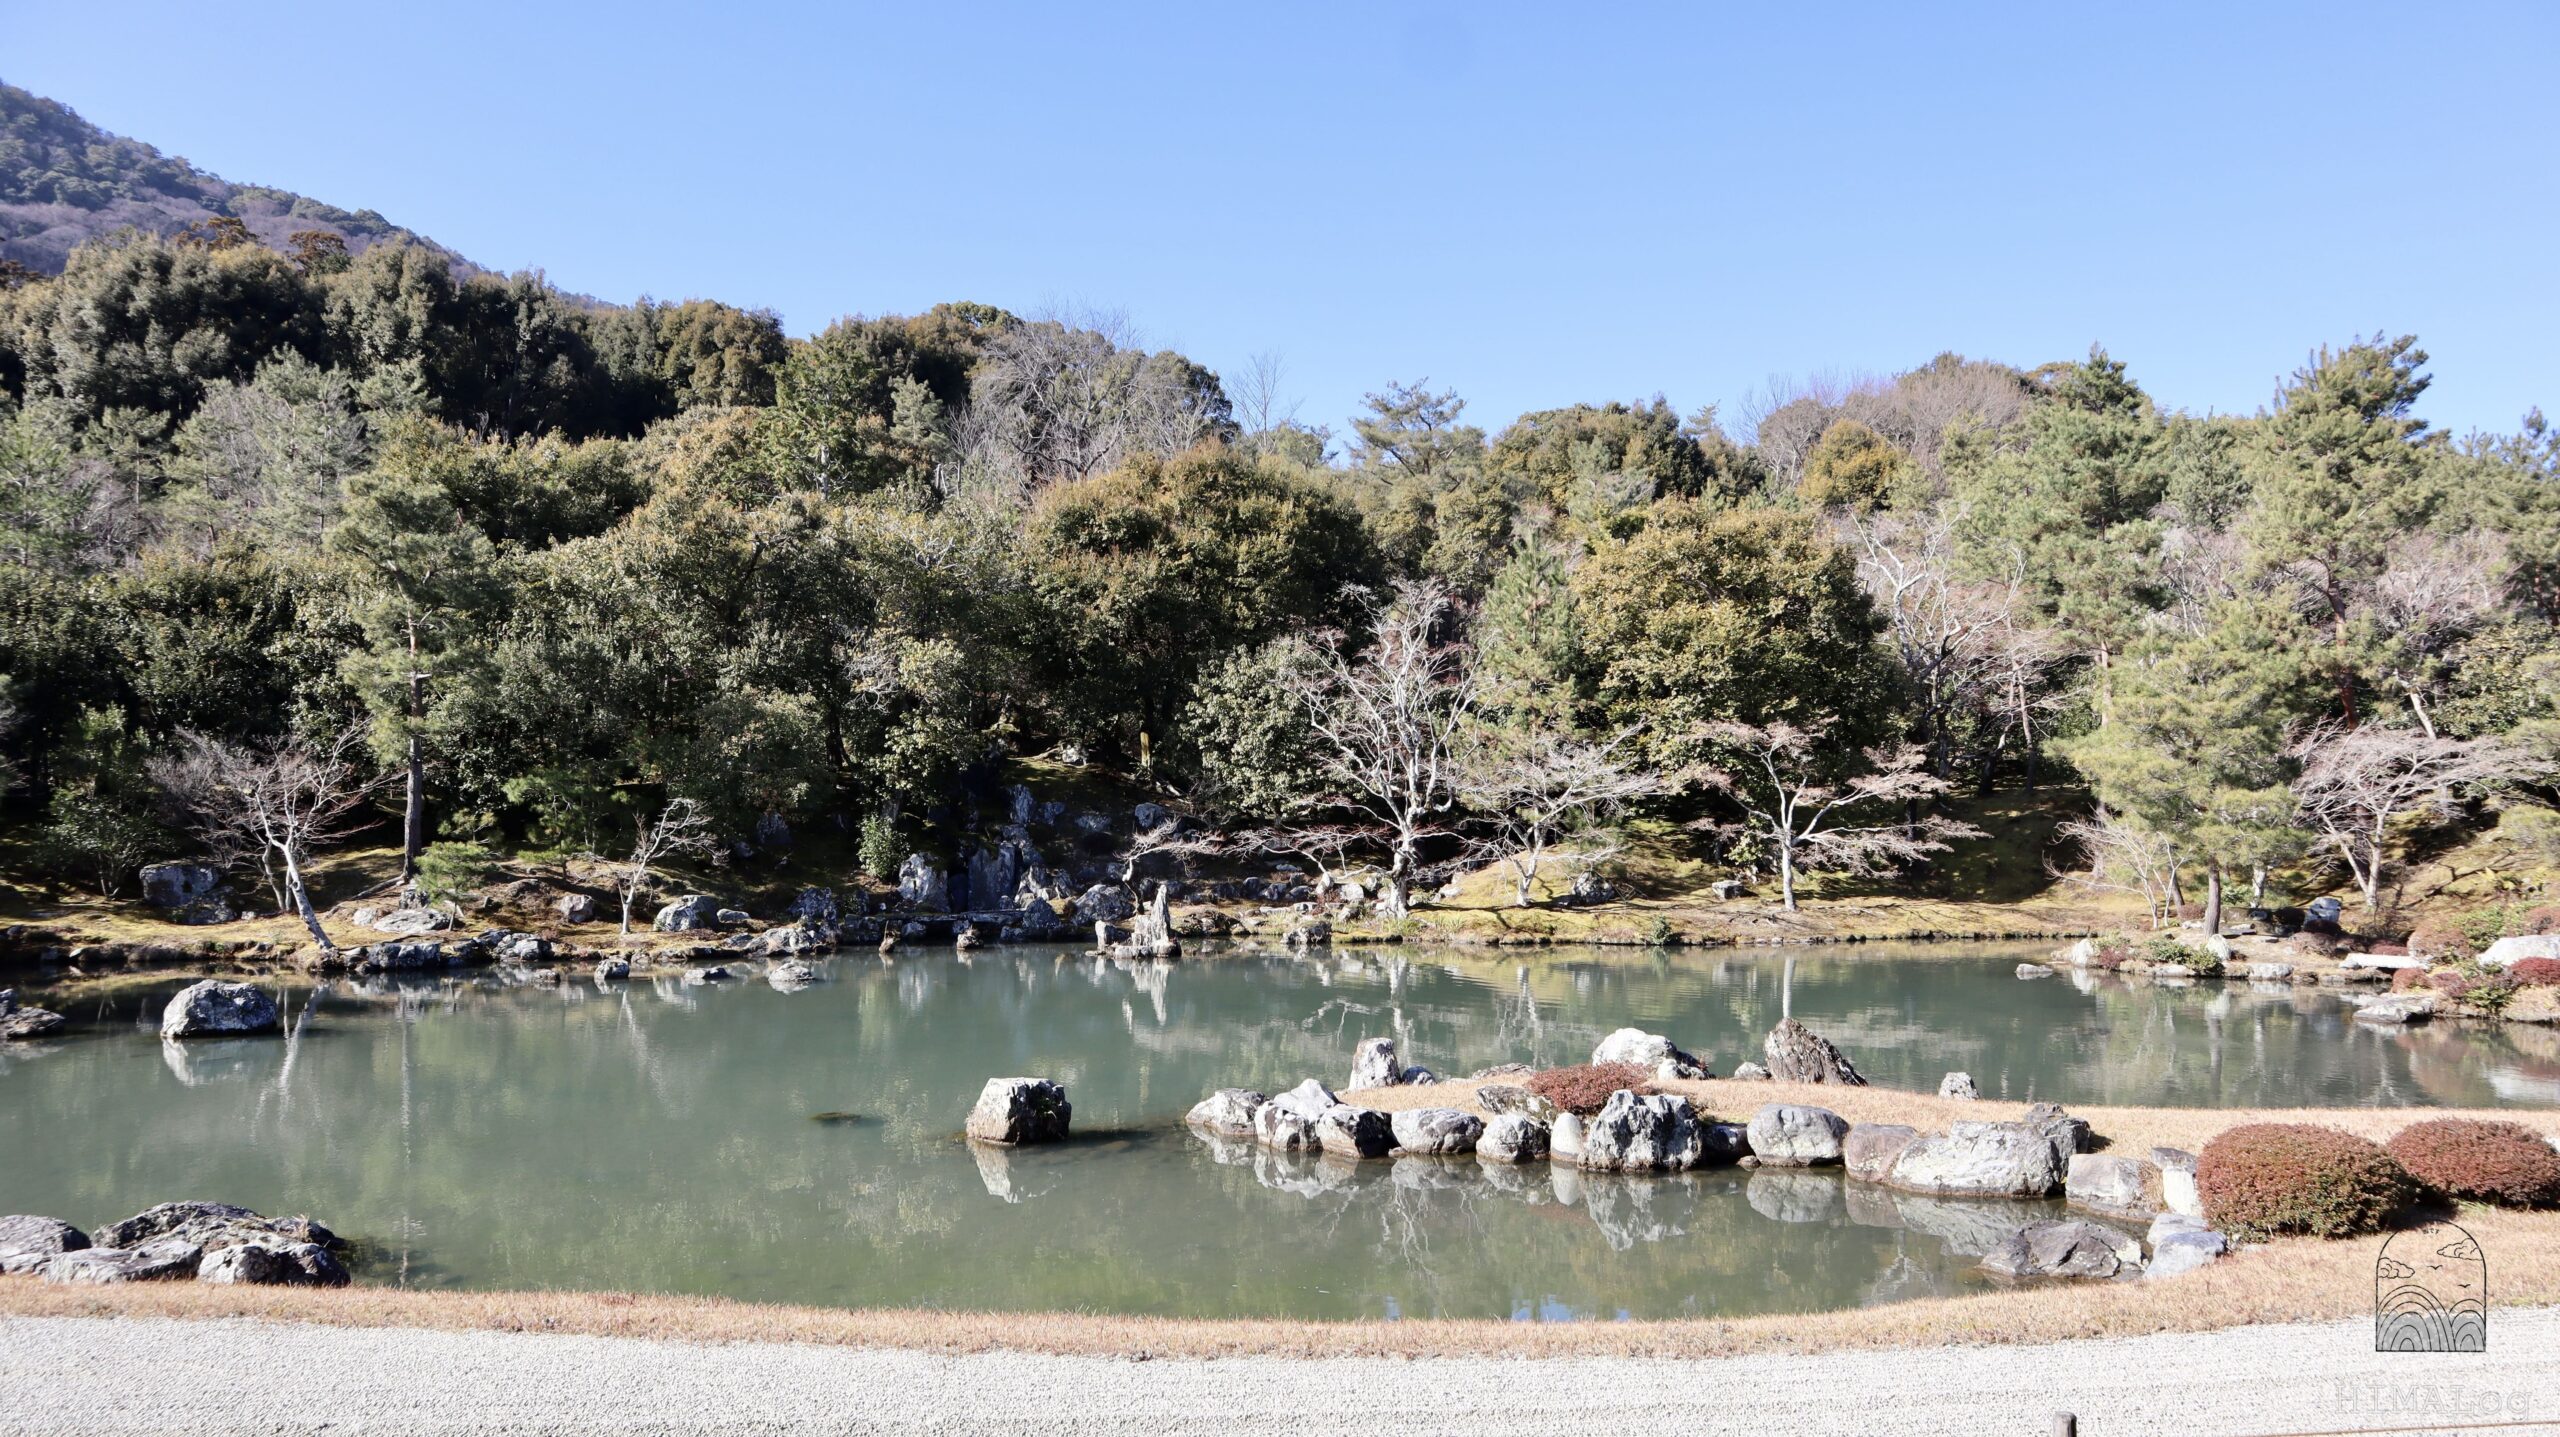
1533,205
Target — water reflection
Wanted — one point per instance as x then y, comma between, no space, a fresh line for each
652,1135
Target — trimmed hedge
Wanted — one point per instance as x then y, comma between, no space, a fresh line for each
2483,1160
2534,972
1584,1088
2264,1179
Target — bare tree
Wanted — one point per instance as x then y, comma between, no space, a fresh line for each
1950,634
1780,778
279,801
681,828
1055,402
1323,845
2356,780
1544,788
1258,405
2125,859
2431,593
1387,725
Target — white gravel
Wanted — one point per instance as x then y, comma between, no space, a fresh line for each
113,1375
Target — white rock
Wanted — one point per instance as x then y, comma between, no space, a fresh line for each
1228,1112
1788,1135
2528,945
1435,1130
1513,1138
1958,1085
1652,1052
1657,1133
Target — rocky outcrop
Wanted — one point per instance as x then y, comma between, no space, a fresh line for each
28,1242
19,1024
212,1226
1630,1134
1011,1112
1228,1112
1105,903
1285,1129
215,1009
1654,1053
1797,1054
1435,1131
2065,1248
1152,934
1958,1086
1349,1132
1871,1149
1788,1135
922,885
297,1264
575,908
175,885
1982,1160
2116,1186
693,913
1513,1138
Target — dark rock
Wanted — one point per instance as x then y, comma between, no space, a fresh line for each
693,913
24,1024
1797,1054
1346,1131
1015,1111
2066,1248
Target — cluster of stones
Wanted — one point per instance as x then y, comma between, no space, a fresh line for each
2042,1155
176,1241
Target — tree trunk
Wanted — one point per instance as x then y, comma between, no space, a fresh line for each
2213,897
1395,896
414,813
1787,877
2257,885
302,905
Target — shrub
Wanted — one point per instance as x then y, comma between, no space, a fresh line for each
2385,948
2262,1179
2541,918
2484,926
2165,948
2404,979
2534,972
1584,1088
879,852
2439,940
448,871
2507,1164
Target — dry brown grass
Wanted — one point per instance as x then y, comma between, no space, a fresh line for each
2295,1280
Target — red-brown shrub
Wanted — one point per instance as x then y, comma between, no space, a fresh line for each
1584,1088
2404,979
2534,972
2450,983
2262,1179
2507,1164
2385,948
2542,918
2439,941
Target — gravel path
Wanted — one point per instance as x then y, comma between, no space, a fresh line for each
113,1375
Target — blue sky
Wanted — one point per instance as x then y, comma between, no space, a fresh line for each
1533,205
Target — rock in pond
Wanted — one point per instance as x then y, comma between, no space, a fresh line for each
298,1264
1981,1160
1349,1132
2034,970
1015,1111
2065,1248
1513,1138
1310,1100
611,970
1654,1053
1424,1131
714,973
1871,1149
790,975
214,1009
1374,1065
28,1242
167,1260
1655,1133
2269,972
1227,1112
2116,1186
1284,1129
2405,1008
1797,1054
1788,1135
1958,1086
22,1024
693,913
1564,1138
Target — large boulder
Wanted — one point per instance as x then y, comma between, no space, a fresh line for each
922,885
212,1226
2116,1186
215,1009
1797,1054
2520,946
2067,1134
1564,1138
1374,1064
1652,1052
1788,1135
1870,1150
1227,1112
1982,1160
576,908
28,1242
408,922
1630,1134
693,913
1346,1131
176,885
167,1260
1105,903
790,975
1513,1138
2065,1248
1435,1130
1014,1111
1310,1100
1285,1129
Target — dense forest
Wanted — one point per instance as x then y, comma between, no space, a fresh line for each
557,565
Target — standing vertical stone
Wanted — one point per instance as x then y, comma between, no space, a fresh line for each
1014,1111
1797,1054
1374,1065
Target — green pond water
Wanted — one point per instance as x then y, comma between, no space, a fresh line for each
653,1137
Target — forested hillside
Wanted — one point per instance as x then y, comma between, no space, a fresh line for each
64,181
562,569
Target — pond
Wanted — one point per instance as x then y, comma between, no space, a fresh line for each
655,1137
